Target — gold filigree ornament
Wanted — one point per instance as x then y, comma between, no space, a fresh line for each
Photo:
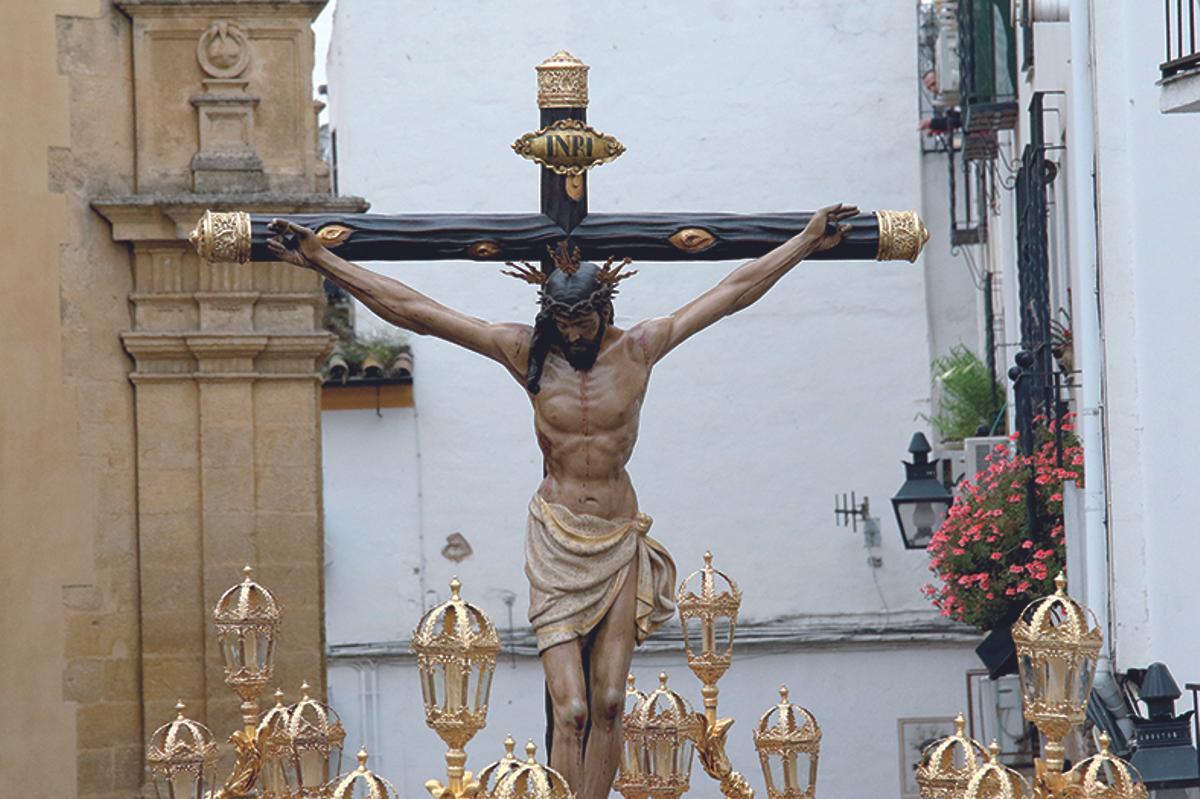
456,646
313,754
902,234
362,783
562,82
274,747
568,147
222,237
181,757
1058,643
1105,776
491,774
708,601
788,741
247,617
532,780
994,780
947,764
660,736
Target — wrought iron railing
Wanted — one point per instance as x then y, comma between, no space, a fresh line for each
1182,53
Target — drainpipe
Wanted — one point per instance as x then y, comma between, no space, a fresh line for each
1081,152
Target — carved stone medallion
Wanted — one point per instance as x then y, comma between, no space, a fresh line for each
223,50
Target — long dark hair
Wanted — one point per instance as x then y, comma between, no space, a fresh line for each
545,335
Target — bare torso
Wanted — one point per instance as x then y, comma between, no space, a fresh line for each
587,425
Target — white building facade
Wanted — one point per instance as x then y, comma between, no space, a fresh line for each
748,431
1120,228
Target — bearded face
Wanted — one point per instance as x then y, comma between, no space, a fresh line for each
578,337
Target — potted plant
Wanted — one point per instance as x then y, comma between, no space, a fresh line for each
988,564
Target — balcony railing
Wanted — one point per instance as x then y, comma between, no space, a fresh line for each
1182,53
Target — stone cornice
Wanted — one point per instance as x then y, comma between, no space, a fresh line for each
808,632
170,217
240,8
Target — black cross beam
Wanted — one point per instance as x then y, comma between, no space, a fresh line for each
567,149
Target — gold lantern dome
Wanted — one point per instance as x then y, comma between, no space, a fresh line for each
181,755
456,646
247,617
313,755
948,764
660,737
788,741
994,780
630,781
492,773
532,780
362,783
272,738
1058,643
708,601
1106,776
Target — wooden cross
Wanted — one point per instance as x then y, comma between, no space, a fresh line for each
567,148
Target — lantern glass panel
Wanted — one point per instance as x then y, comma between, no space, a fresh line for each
439,685
632,755
429,692
683,765
457,676
231,650
1085,674
723,633
773,773
662,756
185,785
691,635
920,520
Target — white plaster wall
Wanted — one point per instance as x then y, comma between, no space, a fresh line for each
857,696
748,430
1148,208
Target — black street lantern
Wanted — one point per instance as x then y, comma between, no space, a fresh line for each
922,502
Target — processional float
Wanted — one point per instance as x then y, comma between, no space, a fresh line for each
295,751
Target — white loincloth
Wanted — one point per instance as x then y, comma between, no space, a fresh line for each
576,565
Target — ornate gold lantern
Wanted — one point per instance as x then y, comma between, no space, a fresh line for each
532,780
948,764
181,756
363,783
1106,776
631,779
246,618
996,780
708,602
1058,644
660,740
492,773
313,753
456,645
788,740
273,745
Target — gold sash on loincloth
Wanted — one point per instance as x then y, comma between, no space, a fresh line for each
576,565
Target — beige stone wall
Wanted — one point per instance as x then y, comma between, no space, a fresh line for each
159,424
68,540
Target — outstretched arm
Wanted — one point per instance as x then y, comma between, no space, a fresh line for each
401,305
747,283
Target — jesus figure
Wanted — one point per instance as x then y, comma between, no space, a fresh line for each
598,583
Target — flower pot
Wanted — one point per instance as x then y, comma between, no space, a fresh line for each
998,652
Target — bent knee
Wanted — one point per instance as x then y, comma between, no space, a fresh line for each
571,716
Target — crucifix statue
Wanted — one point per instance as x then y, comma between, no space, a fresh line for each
598,583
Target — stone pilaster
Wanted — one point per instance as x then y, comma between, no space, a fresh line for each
225,357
